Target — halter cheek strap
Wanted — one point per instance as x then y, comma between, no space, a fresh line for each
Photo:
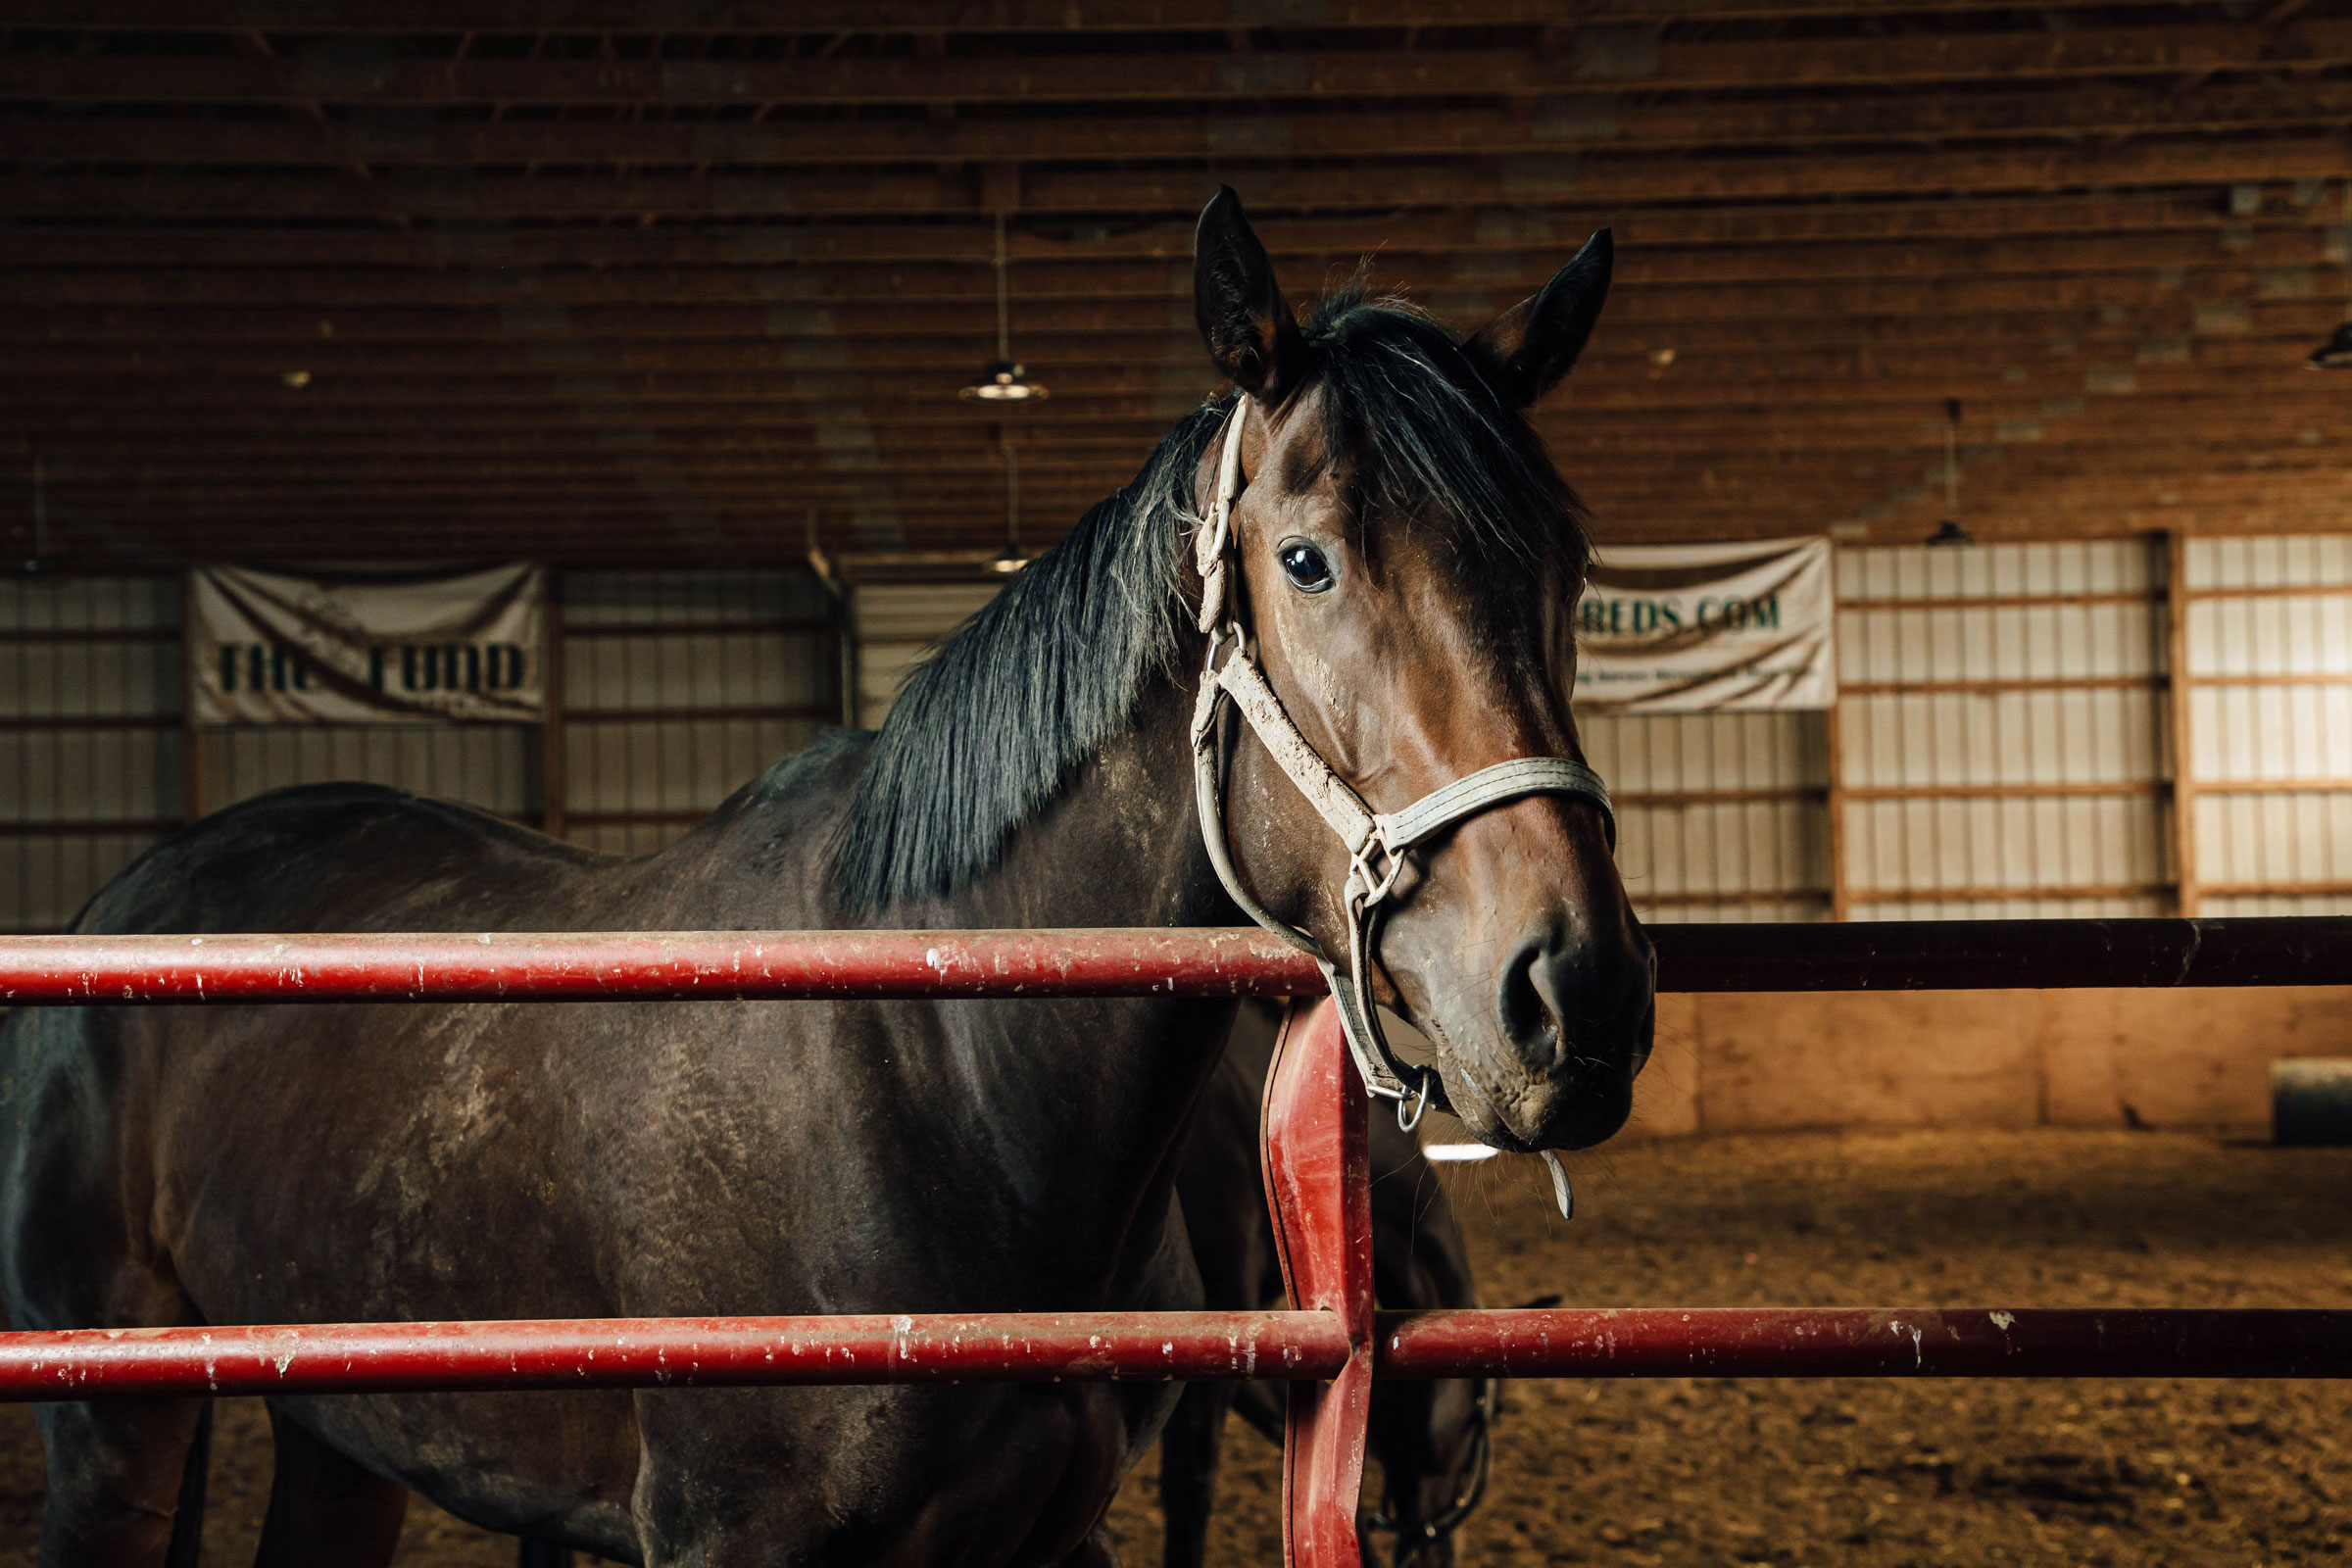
1377,842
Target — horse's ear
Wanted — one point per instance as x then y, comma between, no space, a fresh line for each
1529,347
1242,315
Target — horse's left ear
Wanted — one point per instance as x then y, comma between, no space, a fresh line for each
1243,319
1529,347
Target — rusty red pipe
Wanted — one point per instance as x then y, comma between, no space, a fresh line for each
1866,1342
649,1352
1156,1347
661,966
652,966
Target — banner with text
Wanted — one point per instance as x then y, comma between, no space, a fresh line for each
1693,628
266,647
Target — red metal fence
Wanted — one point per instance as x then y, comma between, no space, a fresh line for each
1330,1346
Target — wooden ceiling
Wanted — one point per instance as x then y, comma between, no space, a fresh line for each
655,281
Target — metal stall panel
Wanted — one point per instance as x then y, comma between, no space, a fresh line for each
90,759
894,624
1720,816
2269,728
494,766
2001,712
681,687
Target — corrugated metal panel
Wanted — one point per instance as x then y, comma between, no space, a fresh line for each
2281,719
895,624
495,766
1958,786
63,787
681,688
1721,816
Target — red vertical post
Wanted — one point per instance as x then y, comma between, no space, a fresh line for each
1317,1185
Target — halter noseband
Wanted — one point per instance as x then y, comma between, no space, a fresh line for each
1376,842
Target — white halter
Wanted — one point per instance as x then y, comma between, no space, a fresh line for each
1376,842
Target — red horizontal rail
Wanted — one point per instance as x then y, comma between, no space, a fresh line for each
1866,1342
653,966
647,1352
1158,1346
783,965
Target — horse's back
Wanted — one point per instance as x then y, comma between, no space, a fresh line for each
340,857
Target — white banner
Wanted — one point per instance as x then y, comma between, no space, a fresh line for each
1693,628
265,648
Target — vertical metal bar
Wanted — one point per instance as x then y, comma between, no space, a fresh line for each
1318,1187
191,733
2176,663
1841,896
846,630
552,802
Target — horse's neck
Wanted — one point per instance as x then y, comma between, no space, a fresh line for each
1120,847
1098,1094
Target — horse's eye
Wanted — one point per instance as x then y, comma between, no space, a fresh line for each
1306,566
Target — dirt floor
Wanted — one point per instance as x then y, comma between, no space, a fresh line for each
1717,1471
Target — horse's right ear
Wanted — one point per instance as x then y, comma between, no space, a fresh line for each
1529,347
1242,315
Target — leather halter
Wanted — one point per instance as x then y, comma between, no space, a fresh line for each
1377,842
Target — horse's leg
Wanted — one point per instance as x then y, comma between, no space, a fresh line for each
1190,1445
326,1511
118,1469
1097,1550
544,1555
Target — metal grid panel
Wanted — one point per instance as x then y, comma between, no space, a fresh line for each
82,797
2002,737
494,766
2270,665
665,719
1720,815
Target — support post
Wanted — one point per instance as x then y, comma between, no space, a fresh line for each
1840,898
551,783
2176,691
191,733
1317,1185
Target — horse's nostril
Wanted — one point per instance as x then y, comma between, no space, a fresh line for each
1528,1001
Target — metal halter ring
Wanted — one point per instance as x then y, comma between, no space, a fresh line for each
1404,1123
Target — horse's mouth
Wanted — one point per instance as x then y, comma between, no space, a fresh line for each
1577,1120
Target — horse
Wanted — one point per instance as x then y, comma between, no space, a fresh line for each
1405,563
1431,1438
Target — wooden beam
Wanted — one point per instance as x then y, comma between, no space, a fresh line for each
1449,232
1616,54
2188,262
1170,390
1585,120
1627,179
1054,18
2149,304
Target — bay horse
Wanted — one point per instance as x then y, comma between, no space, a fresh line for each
1406,561
1432,1437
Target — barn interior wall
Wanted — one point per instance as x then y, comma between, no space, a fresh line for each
2003,747
2193,1059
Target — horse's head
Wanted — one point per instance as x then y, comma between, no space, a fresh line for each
1409,564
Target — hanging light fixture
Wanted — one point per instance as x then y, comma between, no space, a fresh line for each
1949,535
2336,353
1001,379
1012,558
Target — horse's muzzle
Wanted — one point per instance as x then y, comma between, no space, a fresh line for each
1576,1011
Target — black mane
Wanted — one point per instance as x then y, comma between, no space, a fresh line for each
989,729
